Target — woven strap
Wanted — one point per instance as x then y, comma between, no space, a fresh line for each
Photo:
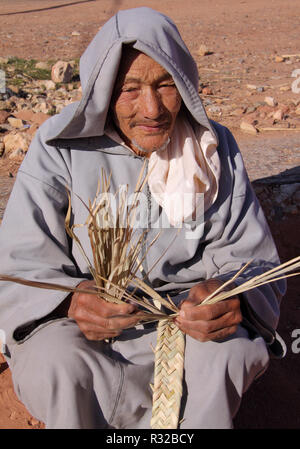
168,376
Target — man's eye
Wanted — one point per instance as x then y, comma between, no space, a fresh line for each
129,89
166,85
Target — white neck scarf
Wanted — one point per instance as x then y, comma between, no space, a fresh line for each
184,177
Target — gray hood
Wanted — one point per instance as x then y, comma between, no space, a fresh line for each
147,31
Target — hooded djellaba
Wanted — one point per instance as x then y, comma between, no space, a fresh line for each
70,149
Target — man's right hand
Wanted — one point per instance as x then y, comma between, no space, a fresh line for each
99,319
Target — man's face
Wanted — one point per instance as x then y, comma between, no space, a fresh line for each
145,102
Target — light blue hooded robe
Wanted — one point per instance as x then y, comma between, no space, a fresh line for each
70,149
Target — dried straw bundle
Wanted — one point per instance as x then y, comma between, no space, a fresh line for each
116,263
116,249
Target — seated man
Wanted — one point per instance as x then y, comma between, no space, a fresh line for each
76,361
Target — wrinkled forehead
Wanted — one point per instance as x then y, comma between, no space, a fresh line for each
129,66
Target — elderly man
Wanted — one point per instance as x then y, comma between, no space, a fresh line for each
78,361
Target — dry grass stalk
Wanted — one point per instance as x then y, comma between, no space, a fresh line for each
116,250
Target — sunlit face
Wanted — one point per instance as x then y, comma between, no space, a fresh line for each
145,102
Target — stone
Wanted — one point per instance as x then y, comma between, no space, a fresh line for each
215,109
42,65
13,142
1,148
3,116
75,33
3,60
237,112
278,115
48,84
203,50
270,101
32,117
15,122
62,72
16,153
297,111
207,91
250,109
248,127
279,59
285,88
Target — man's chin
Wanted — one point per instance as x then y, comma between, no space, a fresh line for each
150,148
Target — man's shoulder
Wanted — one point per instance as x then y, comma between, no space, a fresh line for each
222,131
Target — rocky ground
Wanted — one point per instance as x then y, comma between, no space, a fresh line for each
248,57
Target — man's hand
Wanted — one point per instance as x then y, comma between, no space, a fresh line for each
97,318
210,321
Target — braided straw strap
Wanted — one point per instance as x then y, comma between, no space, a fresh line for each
168,376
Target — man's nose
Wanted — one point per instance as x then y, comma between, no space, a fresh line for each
151,103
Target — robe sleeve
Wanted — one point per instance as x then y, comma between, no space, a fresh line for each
33,241
246,236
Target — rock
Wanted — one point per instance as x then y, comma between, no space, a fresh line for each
251,86
3,60
41,107
15,90
15,142
248,127
16,153
270,101
250,109
279,59
207,91
203,50
215,110
76,95
62,72
75,33
285,88
3,116
278,115
297,111
15,122
48,84
42,65
237,112
32,117
1,148
13,415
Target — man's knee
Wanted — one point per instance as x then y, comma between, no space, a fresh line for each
53,355
237,358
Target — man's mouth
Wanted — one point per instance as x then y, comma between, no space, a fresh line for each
152,128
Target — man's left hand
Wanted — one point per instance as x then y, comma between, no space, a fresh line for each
209,321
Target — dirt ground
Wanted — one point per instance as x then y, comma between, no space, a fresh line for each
250,43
